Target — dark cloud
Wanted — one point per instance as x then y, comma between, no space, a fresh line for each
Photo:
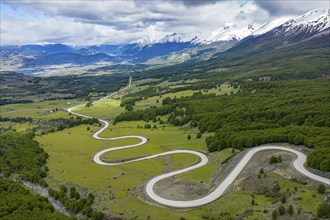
283,7
192,3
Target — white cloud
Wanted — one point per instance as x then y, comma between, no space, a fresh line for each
57,30
99,22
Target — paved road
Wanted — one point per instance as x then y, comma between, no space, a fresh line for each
218,191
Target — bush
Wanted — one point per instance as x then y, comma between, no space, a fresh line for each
274,214
147,126
321,189
290,210
129,107
281,210
323,211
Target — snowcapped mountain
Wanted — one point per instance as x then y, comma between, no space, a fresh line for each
305,25
313,21
145,41
271,25
178,38
228,32
175,45
170,38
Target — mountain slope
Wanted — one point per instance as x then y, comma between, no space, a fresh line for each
280,53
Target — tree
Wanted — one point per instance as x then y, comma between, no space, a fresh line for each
72,192
189,137
63,189
252,202
97,216
167,101
261,171
129,107
281,210
91,197
325,165
147,126
321,189
273,160
274,214
299,211
290,209
199,135
77,195
283,199
323,211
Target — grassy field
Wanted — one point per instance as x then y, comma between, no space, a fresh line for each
157,100
70,153
105,109
37,114
38,110
16,126
119,189
52,104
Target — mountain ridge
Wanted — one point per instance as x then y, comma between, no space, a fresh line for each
192,46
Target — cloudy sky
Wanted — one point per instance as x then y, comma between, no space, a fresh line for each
121,21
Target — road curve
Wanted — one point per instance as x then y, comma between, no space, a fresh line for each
218,191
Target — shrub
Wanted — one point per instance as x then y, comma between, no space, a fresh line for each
321,189
274,214
281,210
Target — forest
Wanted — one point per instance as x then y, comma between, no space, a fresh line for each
261,112
19,88
18,202
76,203
21,156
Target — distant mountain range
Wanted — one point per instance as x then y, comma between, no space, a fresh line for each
224,37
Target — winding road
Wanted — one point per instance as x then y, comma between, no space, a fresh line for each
218,191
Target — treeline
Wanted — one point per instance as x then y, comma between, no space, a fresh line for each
319,159
158,91
60,124
13,101
22,156
24,89
152,113
130,101
76,203
16,119
18,202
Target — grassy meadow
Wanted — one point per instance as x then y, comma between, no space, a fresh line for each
119,190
